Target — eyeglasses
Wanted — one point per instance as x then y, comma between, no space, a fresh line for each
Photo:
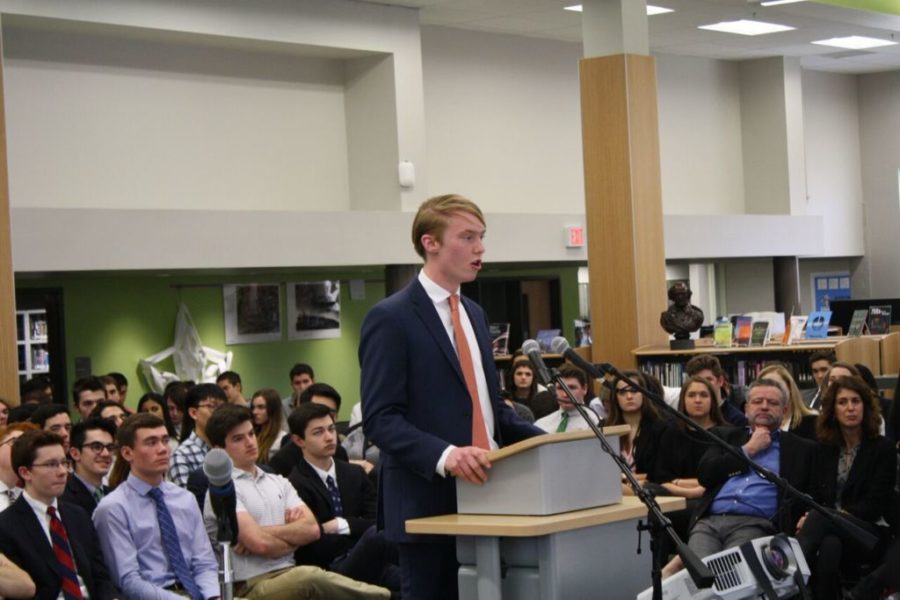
54,465
98,447
212,404
627,390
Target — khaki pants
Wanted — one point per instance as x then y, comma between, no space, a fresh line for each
307,583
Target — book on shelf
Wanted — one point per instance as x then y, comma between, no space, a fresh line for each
879,319
759,335
743,327
817,325
722,333
795,331
499,338
857,323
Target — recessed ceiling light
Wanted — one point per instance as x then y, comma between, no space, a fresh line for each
855,42
777,2
651,10
746,27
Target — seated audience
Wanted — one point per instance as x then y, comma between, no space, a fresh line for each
301,376
289,456
37,390
86,393
730,398
627,406
839,369
151,531
202,400
521,410
55,419
798,418
884,404
343,500
175,394
526,390
856,469
267,421
230,382
111,411
154,404
112,388
121,385
566,417
91,451
51,540
9,479
272,523
819,363
5,407
738,505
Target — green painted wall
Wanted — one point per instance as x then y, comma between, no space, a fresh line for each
117,319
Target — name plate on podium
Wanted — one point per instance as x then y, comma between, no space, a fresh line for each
546,475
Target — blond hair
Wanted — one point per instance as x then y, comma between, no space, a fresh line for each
434,214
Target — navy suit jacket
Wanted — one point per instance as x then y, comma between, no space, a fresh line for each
23,541
415,404
78,494
358,500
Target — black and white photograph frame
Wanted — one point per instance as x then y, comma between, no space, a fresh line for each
314,310
252,312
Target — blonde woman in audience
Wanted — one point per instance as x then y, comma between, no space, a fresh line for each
267,409
799,419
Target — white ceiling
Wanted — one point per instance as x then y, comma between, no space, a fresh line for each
677,33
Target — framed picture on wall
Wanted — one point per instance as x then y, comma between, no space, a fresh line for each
252,312
314,310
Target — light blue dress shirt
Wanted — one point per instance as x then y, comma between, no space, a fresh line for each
129,537
749,494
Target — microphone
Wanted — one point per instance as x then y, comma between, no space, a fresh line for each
217,467
532,350
560,345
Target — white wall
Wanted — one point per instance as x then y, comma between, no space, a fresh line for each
503,120
699,136
749,286
834,180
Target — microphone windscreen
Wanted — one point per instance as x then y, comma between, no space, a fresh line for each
530,346
217,466
559,345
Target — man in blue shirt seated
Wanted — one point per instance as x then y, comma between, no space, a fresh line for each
151,531
738,505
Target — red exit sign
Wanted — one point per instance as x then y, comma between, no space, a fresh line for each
575,237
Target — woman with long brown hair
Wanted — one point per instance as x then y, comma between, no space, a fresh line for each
266,406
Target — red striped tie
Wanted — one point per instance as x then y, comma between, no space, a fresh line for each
63,552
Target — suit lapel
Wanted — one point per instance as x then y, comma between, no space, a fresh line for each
427,313
32,530
317,485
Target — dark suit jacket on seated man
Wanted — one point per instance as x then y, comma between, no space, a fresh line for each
343,500
54,542
430,392
738,505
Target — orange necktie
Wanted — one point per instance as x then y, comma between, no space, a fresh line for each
479,431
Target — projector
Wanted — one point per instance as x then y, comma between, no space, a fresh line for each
767,567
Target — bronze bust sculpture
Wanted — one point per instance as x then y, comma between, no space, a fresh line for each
682,317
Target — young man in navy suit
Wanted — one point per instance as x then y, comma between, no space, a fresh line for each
53,541
430,393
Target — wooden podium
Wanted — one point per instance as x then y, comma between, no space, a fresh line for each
530,552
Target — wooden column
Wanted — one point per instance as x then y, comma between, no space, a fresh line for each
626,256
9,360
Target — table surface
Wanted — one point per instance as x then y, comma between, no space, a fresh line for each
530,526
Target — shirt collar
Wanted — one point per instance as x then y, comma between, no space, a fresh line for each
36,505
242,474
140,486
323,474
435,292
90,487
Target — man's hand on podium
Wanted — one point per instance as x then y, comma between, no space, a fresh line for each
469,463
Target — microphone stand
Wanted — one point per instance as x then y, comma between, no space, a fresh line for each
859,535
224,537
657,522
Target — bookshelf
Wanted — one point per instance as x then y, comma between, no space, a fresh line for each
881,353
32,343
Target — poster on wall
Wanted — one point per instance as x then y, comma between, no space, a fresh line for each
828,287
314,310
252,312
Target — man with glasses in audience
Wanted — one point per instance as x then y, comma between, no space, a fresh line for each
739,505
51,540
151,531
202,400
55,419
9,479
92,450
